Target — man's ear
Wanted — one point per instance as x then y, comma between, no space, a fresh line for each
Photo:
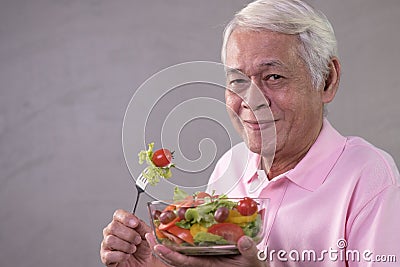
332,81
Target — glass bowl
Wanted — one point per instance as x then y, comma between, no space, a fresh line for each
201,227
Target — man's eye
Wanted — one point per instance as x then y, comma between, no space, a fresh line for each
238,85
238,81
273,77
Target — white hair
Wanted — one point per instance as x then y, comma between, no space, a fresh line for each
316,35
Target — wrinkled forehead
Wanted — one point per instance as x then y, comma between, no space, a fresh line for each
250,50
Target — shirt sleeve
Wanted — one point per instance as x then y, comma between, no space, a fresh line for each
375,232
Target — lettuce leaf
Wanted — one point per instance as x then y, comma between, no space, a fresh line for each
153,173
204,214
179,194
251,229
183,224
209,238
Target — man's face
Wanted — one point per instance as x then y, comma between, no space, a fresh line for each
272,62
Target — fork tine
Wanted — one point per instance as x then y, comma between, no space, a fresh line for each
141,184
143,179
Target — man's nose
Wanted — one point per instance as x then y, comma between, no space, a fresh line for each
254,99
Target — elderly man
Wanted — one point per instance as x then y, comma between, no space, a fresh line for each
330,194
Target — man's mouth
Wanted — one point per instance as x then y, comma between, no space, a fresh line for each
258,125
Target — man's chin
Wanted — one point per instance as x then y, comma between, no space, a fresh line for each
266,150
253,147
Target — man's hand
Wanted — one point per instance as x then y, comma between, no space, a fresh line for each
124,243
247,248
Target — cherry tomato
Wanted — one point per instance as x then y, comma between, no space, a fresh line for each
247,206
162,157
229,231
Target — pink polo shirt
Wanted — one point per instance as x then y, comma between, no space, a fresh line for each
340,206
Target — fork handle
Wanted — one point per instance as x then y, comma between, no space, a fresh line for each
139,191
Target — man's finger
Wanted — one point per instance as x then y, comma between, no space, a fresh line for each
123,232
109,258
142,228
151,239
171,257
126,218
130,220
163,253
114,243
248,249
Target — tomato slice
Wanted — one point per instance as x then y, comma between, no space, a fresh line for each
168,225
183,234
229,231
203,195
188,202
200,198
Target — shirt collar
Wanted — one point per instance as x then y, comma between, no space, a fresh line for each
313,169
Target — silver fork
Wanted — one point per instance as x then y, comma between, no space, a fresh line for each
141,184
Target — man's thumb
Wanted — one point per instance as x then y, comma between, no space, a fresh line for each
247,248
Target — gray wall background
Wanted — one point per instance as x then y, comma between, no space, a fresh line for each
68,70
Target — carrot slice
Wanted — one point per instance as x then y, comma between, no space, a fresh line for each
160,234
170,207
169,225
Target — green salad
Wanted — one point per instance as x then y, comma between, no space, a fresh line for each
203,219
